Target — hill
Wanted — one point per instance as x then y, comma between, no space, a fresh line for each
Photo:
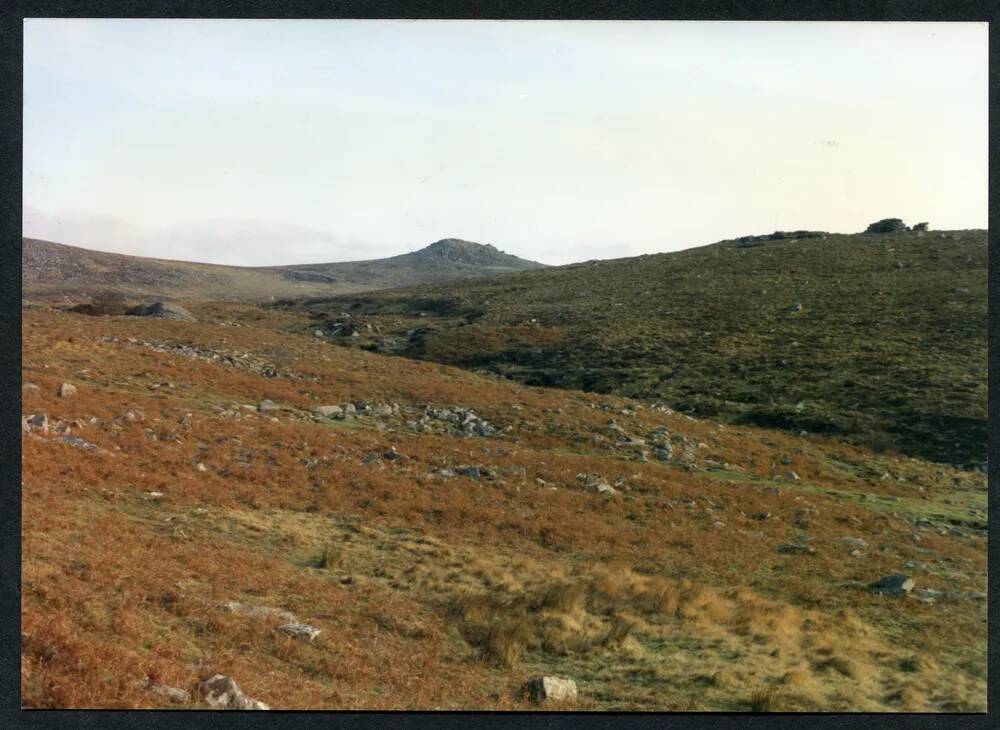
451,534
56,270
878,339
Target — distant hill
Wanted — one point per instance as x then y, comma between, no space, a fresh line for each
877,339
57,270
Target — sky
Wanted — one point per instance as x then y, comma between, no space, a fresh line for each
261,142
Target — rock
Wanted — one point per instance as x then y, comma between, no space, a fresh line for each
445,473
854,542
927,595
381,410
174,694
472,472
554,689
265,406
66,390
664,452
392,455
328,411
37,421
595,483
78,443
245,609
892,585
222,693
761,515
793,476
30,387
797,307
201,467
162,310
371,457
772,491
349,408
299,631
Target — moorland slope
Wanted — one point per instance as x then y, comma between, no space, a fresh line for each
54,270
878,339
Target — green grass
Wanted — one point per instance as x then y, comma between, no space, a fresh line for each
888,349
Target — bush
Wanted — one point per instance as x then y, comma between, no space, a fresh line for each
887,225
921,226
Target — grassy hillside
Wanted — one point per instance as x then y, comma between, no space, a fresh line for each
443,564
877,339
56,270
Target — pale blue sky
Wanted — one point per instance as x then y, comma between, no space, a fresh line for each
267,142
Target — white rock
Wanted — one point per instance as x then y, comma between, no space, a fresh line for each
555,689
66,390
245,609
299,631
222,693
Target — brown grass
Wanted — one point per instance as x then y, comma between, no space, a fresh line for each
440,592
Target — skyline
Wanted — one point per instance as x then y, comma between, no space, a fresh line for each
280,142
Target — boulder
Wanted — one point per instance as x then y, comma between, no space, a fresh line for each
174,694
550,689
328,411
66,390
36,421
245,609
267,405
222,693
892,585
162,310
299,631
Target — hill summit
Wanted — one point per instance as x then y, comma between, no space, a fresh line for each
470,253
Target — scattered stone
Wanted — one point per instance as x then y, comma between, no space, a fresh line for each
78,443
392,455
266,406
793,476
371,457
201,467
761,515
892,585
445,473
328,411
854,542
37,421
772,491
381,410
555,689
595,483
66,390
174,694
299,631
927,595
244,609
222,693
472,472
